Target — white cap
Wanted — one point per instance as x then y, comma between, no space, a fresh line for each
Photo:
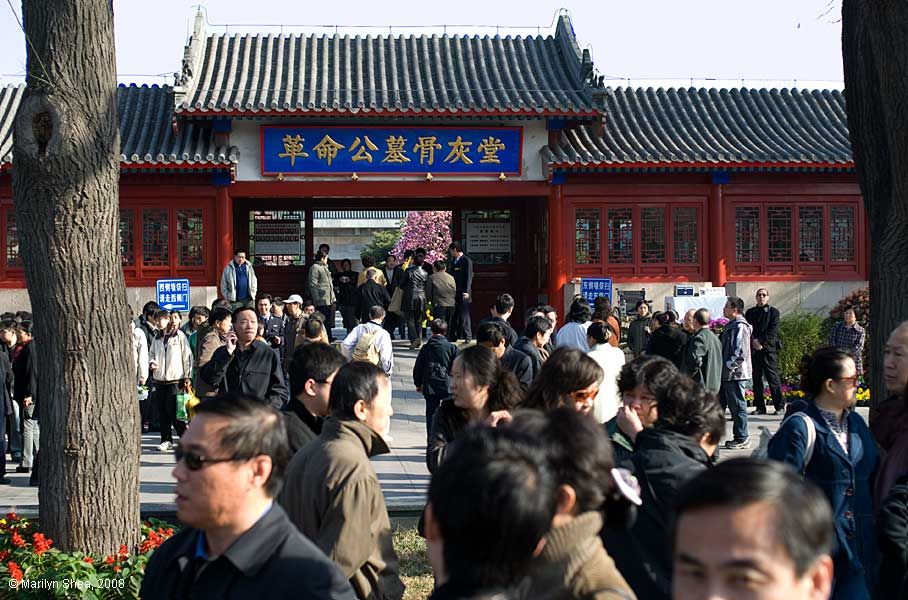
294,298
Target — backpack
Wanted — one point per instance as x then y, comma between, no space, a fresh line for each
762,450
365,350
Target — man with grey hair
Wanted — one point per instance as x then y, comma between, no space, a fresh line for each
237,543
702,359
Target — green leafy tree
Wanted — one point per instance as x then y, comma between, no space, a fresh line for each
381,244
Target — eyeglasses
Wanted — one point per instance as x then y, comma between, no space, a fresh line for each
581,395
195,461
761,295
853,380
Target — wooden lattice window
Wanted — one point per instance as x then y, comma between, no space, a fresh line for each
778,221
155,237
13,259
588,236
810,234
685,234
127,237
190,238
620,236
747,234
842,225
652,235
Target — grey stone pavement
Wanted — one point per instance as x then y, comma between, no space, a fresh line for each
403,474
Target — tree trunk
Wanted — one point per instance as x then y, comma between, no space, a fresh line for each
875,56
65,188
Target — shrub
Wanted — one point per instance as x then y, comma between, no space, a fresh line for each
800,334
26,555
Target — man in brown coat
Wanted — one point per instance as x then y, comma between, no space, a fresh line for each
441,292
332,493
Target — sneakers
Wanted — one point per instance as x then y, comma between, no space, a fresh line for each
23,469
165,447
738,444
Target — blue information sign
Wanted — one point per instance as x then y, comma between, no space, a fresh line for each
593,288
390,150
173,294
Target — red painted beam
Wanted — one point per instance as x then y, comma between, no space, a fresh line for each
223,231
557,271
716,263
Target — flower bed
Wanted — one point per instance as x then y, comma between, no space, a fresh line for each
30,564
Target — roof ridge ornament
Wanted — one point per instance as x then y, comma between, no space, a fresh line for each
192,55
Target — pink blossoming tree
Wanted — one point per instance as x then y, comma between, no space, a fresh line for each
429,229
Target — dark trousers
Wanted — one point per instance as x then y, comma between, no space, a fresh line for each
766,364
443,312
166,395
328,312
394,321
2,445
432,402
149,408
348,314
461,328
414,324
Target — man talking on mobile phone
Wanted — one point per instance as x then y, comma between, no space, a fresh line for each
245,366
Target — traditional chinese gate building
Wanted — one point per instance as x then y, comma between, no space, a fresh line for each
550,175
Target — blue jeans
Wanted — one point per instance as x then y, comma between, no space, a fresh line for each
732,396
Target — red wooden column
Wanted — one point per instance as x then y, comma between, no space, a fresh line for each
557,272
716,225
223,227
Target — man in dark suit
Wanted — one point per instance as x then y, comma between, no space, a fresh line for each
370,294
462,271
765,346
702,358
394,275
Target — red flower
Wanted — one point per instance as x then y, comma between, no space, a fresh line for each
12,517
116,569
17,540
110,559
14,571
4,554
42,544
124,551
88,559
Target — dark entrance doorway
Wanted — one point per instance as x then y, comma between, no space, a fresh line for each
505,237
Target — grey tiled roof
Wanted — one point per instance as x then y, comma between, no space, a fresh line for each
722,128
147,132
233,74
147,137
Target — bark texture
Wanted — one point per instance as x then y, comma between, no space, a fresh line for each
65,189
875,56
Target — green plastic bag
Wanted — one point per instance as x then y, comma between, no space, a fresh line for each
182,399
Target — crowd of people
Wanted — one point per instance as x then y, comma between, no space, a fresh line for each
560,468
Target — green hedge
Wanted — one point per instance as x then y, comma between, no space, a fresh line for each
801,333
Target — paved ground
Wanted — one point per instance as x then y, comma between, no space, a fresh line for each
402,473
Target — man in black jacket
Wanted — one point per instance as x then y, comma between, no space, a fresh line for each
394,276
371,294
462,271
432,369
6,409
311,372
237,543
491,336
246,366
764,354
499,313
535,337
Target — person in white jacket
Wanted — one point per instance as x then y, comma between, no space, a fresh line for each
611,359
139,354
171,368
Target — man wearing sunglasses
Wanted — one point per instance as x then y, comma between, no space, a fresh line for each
333,494
765,345
237,542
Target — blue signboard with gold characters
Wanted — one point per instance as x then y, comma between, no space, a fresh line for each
390,150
